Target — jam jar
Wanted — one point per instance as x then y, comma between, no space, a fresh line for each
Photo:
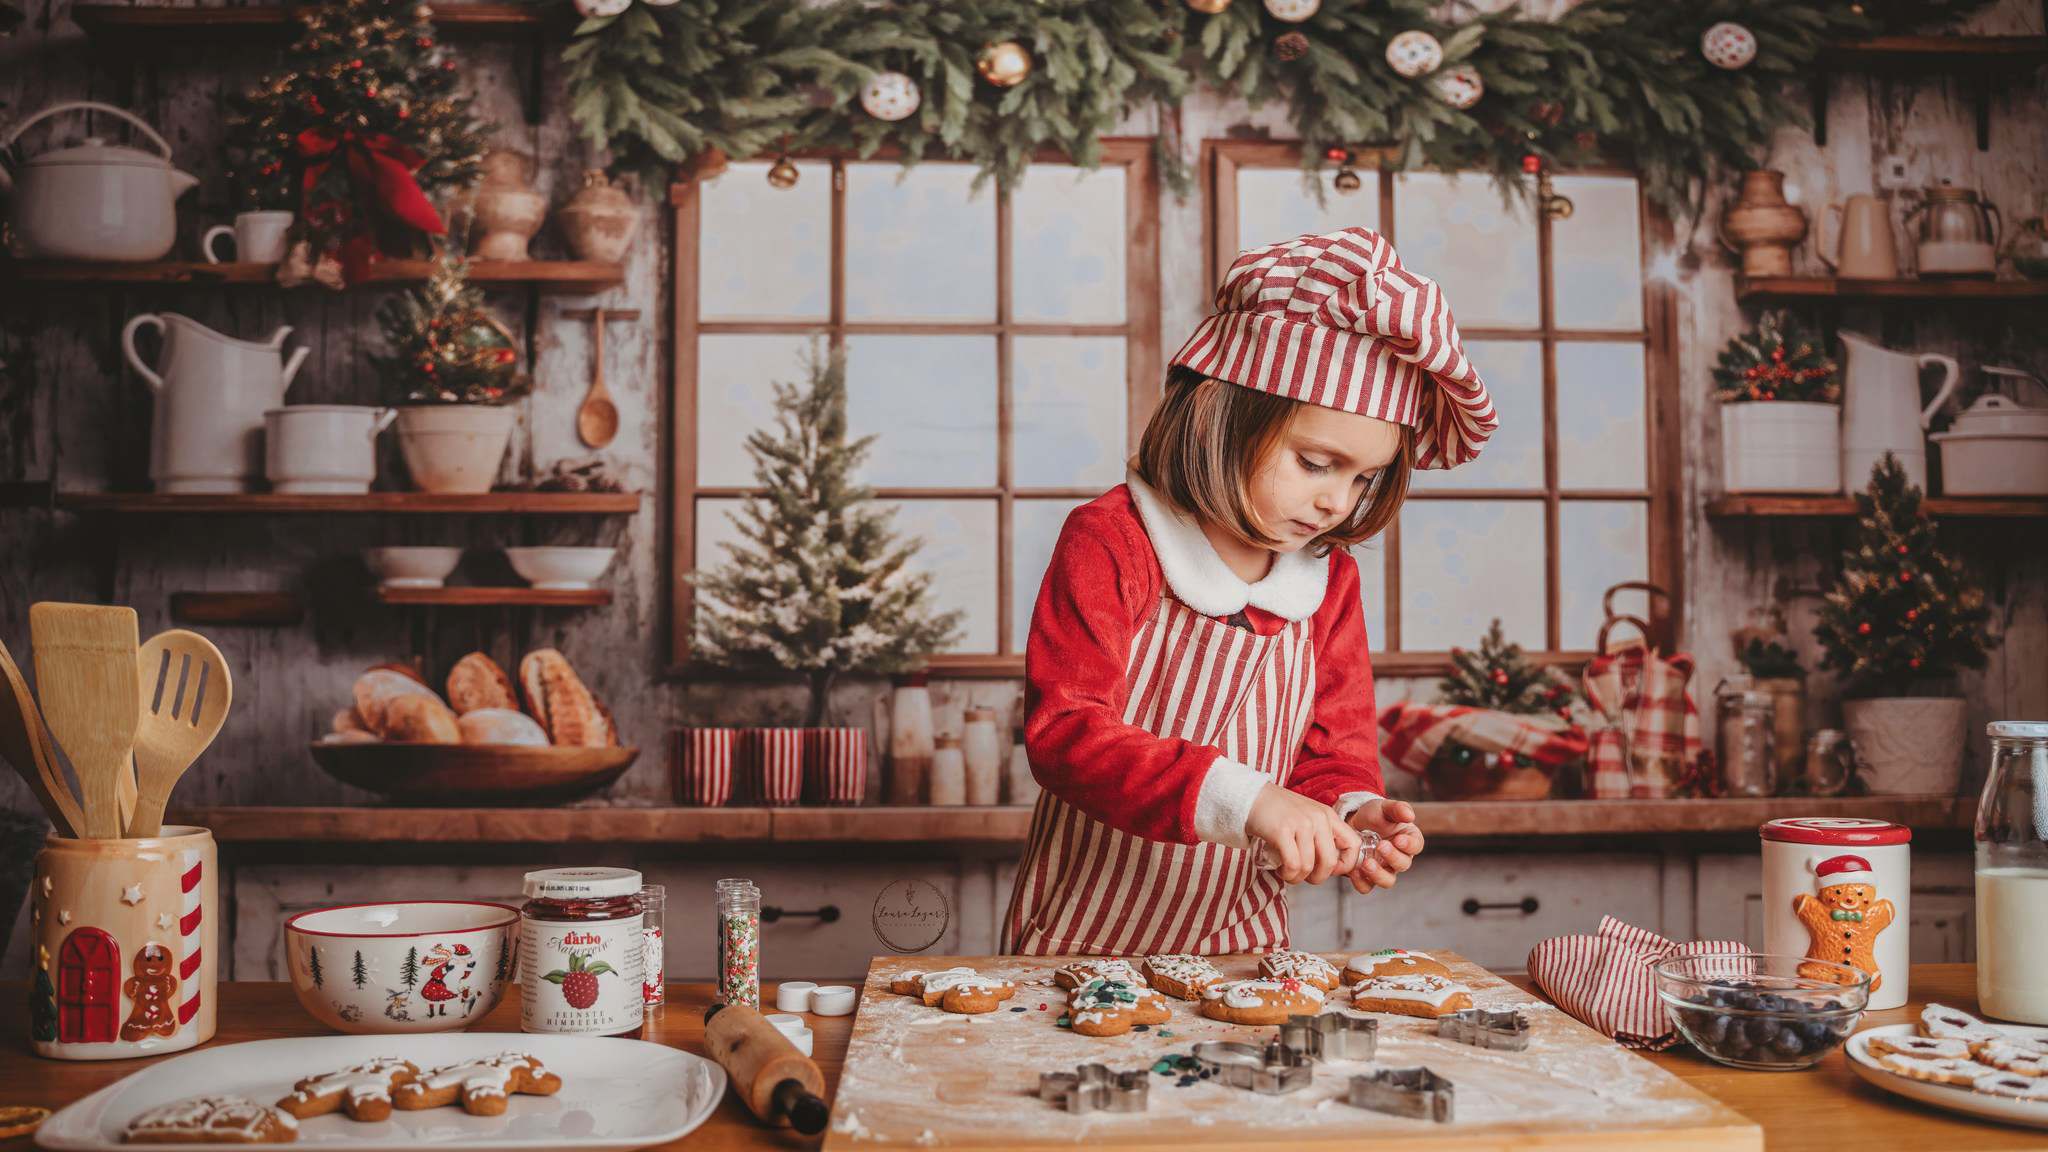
581,952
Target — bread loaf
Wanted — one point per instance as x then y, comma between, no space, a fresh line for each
500,726
403,669
346,720
556,697
375,692
421,719
476,682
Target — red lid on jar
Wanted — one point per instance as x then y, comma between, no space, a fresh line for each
1836,831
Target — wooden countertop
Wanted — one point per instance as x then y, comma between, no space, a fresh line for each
1819,1110
1008,825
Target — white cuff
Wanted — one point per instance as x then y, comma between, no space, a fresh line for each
1351,802
1225,802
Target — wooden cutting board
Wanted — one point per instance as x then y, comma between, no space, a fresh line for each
922,1077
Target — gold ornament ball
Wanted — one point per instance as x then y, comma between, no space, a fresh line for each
1004,64
783,174
1209,7
1347,180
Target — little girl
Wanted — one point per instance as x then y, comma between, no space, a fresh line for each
1200,706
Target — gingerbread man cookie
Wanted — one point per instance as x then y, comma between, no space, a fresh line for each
484,1087
1422,994
363,1092
212,1120
1260,1001
964,990
1113,1007
1393,962
154,991
1844,921
1306,967
912,983
1082,971
1182,975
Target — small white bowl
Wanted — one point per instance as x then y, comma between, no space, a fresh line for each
412,567
560,568
834,1000
403,966
794,995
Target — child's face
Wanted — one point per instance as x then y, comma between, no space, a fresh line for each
1316,471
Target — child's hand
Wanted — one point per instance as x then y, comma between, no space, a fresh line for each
1310,841
1400,843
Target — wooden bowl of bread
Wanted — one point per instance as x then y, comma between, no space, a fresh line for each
486,742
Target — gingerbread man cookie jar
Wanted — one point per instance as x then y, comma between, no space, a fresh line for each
1838,891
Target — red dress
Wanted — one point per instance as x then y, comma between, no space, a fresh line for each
434,989
1162,692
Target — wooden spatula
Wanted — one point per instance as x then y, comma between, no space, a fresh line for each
85,667
186,690
25,744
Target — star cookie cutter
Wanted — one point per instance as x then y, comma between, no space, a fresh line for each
1094,1088
1416,1093
1272,1070
1506,1030
1332,1036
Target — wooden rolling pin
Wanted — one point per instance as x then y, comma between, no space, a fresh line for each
776,1082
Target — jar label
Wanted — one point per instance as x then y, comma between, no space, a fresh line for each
581,978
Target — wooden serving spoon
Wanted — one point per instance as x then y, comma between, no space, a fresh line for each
597,418
186,690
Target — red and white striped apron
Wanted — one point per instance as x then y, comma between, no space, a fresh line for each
1086,888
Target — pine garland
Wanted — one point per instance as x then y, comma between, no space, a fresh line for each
1903,612
1502,678
821,585
1781,360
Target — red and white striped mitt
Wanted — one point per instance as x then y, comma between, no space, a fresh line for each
1604,980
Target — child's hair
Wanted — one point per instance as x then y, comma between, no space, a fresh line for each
1206,443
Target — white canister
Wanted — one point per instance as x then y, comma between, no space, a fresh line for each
1840,889
325,448
982,749
948,784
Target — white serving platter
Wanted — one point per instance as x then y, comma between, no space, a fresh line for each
616,1094
1953,1097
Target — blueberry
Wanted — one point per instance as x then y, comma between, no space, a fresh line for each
1816,1035
1736,1044
1788,1043
1832,1005
1716,1030
1759,1031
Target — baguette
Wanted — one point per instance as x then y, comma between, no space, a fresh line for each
556,697
476,682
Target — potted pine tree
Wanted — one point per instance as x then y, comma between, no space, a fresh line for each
1781,427
455,370
1900,623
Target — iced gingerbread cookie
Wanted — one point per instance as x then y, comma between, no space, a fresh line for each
1306,967
1945,1023
912,983
1113,1007
1260,1001
363,1092
1393,962
212,1120
1422,995
1921,1047
1933,1069
1082,971
483,1087
2017,1059
965,990
1181,976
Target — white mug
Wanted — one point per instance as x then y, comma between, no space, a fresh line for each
258,236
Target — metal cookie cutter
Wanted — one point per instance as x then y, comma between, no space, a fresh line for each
1416,1093
1270,1071
1094,1088
1486,1028
1332,1036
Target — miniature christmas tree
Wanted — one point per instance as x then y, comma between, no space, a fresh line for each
1500,677
821,585
1781,360
313,967
445,347
1902,611
410,971
43,1007
362,975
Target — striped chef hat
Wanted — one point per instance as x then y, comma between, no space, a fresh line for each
1335,320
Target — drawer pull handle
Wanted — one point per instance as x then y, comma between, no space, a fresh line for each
1473,906
826,915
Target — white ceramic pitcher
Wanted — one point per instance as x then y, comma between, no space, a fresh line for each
211,393
1881,410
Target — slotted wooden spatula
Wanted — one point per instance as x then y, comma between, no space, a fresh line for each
186,690
90,688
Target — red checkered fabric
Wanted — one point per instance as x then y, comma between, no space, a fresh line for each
777,769
837,761
1604,980
1411,733
704,763
1336,320
1649,714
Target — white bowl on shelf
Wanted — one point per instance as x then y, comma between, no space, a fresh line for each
560,568
412,567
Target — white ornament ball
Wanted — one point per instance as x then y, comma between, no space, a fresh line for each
1459,86
1728,45
1292,11
890,96
598,9
1414,53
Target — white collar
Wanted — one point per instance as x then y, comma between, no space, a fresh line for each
1292,589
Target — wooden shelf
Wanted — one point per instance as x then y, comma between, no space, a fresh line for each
1939,507
248,609
25,493
155,30
1961,54
575,276
488,503
1006,825
1796,289
475,597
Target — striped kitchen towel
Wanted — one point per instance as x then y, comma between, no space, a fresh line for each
1604,980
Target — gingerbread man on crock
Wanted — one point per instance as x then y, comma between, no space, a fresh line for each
1844,921
152,989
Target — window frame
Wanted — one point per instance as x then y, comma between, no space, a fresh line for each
1144,371
1222,159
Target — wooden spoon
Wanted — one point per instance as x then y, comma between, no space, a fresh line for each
25,744
85,665
186,690
597,419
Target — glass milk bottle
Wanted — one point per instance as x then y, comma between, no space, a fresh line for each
2012,875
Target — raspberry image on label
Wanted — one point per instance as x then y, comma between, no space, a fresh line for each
578,983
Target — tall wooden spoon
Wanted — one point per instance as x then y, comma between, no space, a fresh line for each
186,690
597,419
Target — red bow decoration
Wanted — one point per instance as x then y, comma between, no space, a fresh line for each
380,175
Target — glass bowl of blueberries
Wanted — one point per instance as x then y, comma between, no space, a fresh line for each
1770,1013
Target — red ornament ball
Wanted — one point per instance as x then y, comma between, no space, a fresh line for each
1863,629
356,63
1903,550
1337,155
1905,577
506,355
423,42
1500,676
1913,663
1532,163
371,92
1507,759
1912,613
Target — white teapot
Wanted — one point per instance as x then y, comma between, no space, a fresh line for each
95,201
211,394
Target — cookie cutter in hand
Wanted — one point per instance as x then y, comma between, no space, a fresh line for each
1416,1093
1270,860
1332,1036
1094,1088
1506,1030
1272,1070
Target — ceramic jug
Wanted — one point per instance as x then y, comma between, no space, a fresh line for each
1864,241
211,393
1881,409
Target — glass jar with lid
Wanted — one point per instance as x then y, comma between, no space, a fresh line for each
581,952
2012,874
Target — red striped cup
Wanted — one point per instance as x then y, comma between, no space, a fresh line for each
704,766
777,775
837,762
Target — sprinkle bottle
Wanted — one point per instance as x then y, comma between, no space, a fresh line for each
739,942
